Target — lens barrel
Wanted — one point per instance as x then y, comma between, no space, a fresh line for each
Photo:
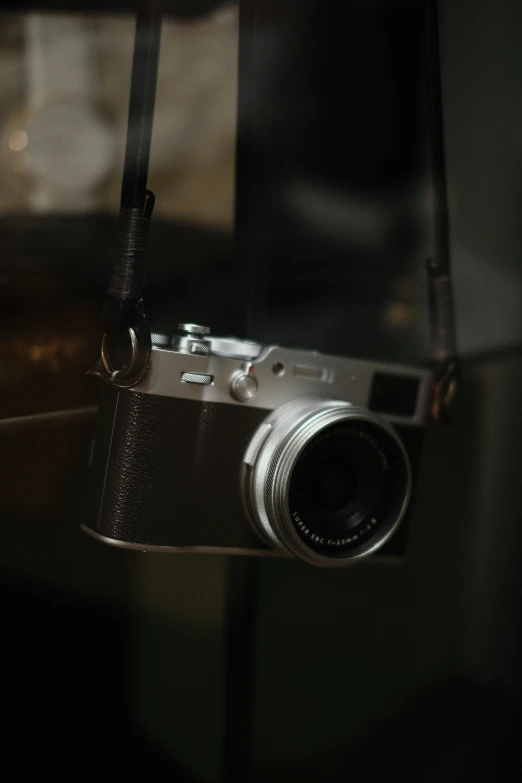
326,480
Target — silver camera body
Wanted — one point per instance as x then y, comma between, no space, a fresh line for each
229,446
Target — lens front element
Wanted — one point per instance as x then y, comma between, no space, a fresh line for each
330,482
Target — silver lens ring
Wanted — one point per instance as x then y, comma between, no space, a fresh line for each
278,446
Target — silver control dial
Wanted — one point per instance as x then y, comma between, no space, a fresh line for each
194,329
243,386
232,348
159,339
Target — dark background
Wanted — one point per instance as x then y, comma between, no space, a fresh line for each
116,661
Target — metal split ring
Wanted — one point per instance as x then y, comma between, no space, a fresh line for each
134,358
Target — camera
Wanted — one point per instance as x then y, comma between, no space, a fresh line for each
226,445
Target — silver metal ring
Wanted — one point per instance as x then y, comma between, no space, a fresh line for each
134,356
266,479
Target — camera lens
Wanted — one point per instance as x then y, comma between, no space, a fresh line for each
329,482
336,482
344,478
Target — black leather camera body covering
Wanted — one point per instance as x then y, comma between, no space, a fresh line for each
166,472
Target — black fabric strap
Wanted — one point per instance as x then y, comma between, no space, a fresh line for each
436,145
442,318
127,276
439,271
126,343
141,103
136,201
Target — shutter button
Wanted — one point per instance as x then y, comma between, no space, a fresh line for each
243,386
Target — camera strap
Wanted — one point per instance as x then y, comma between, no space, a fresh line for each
442,319
126,342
